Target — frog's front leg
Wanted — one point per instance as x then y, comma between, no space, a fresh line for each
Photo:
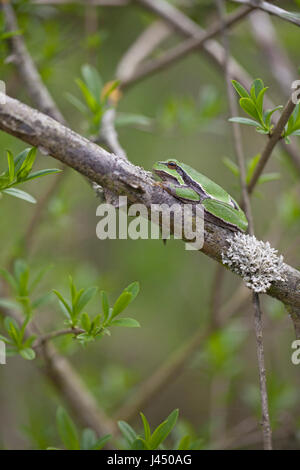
183,192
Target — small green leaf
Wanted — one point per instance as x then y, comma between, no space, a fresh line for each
247,121
231,165
85,321
125,322
67,430
101,442
105,304
133,289
252,164
11,166
85,297
268,177
256,88
88,95
240,89
121,303
27,353
163,430
20,194
249,107
88,439
92,80
147,431
67,309
128,432
38,174
77,103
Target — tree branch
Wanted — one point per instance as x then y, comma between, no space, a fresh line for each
117,174
271,9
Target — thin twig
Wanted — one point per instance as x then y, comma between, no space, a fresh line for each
183,49
271,9
42,339
266,426
142,47
100,3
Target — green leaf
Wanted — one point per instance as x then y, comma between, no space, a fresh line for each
260,101
27,164
268,177
101,442
6,340
92,80
21,271
252,164
163,430
27,353
105,304
85,297
77,103
128,432
20,194
125,322
133,289
249,107
139,444
231,165
127,119
38,277
9,278
256,88
240,89
88,439
89,97
247,121
268,114
38,174
147,431
67,430
85,321
20,158
67,308
297,132
8,303
11,165
121,303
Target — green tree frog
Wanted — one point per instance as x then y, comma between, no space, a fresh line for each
189,186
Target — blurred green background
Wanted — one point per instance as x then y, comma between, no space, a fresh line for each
187,106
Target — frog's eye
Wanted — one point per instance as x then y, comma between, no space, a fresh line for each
172,165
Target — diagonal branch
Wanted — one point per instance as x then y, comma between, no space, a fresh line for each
271,9
119,175
183,49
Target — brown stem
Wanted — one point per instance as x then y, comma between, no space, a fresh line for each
266,426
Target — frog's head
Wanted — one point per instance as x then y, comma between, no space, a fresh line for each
168,171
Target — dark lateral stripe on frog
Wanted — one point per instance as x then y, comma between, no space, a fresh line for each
193,184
